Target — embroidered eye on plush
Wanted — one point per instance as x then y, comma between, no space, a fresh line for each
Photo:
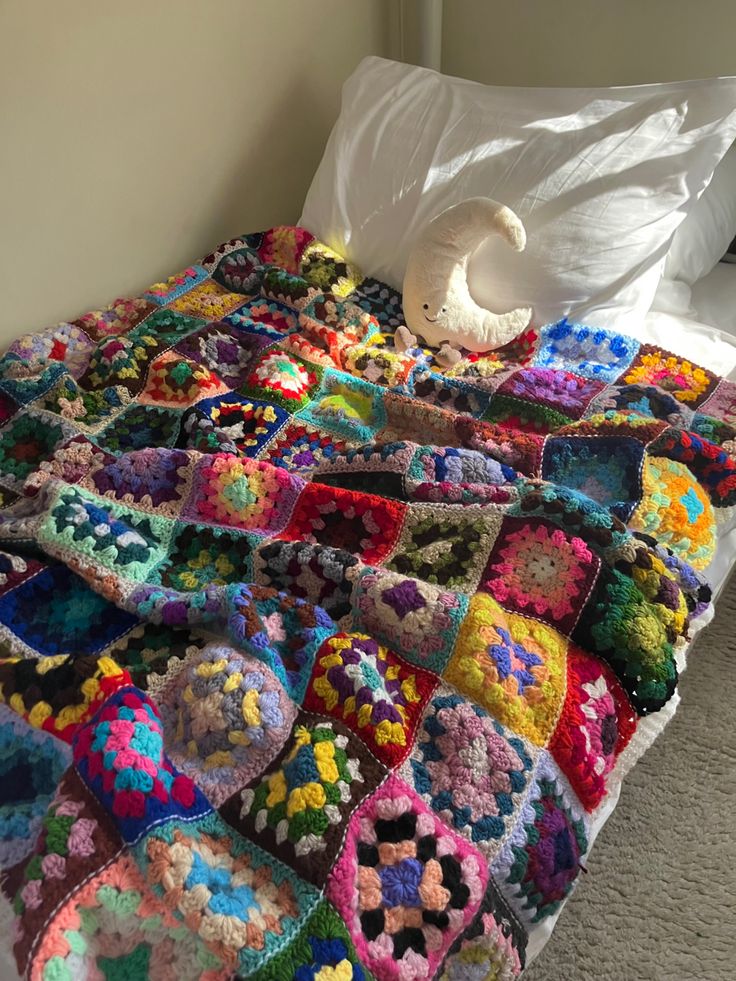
437,302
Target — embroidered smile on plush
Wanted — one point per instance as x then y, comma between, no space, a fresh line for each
437,302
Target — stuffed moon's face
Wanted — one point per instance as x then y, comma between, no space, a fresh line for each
437,302
430,309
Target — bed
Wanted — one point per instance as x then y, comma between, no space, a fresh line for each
321,659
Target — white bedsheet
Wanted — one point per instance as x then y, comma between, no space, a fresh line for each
714,298
699,342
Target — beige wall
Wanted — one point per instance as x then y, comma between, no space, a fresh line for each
136,135
588,42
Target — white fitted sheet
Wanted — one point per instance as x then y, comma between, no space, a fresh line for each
714,298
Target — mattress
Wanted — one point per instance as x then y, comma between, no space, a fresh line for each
261,574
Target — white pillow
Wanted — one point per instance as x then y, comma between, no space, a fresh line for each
706,233
673,296
714,298
600,177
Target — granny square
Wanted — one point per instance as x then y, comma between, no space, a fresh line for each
209,300
449,393
446,545
63,342
512,666
607,469
561,390
646,670
31,765
57,694
106,533
379,362
363,524
282,631
121,360
201,555
264,318
237,267
405,885
721,403
380,301
114,927
247,423
225,716
537,569
120,756
648,400
25,382
224,350
415,618
14,570
299,807
140,426
687,382
26,442
346,406
590,352
241,493
121,316
283,246
86,410
178,382
281,377
596,723
152,652
677,510
324,269
321,949
155,478
299,447
493,946
523,415
541,859
163,293
55,612
75,839
370,689
317,573
473,772
242,902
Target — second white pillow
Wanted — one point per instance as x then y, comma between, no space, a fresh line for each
703,237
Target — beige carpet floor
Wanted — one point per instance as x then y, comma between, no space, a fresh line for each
659,900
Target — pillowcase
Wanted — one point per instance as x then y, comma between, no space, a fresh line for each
714,298
600,177
673,296
704,236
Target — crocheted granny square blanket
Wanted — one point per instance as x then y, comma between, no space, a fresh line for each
321,660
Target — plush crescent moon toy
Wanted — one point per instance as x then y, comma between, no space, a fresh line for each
437,302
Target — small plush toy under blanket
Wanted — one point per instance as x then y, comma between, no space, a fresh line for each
437,302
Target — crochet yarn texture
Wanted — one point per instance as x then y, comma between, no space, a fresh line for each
318,659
